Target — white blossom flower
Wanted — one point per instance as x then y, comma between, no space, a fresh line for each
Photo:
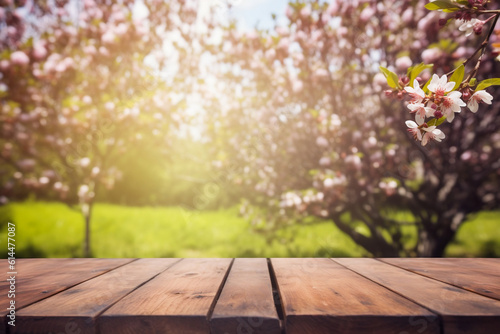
477,97
451,104
440,86
421,111
468,27
431,133
416,93
414,129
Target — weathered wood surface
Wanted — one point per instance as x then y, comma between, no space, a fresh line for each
321,296
459,309
219,296
477,275
177,301
79,306
37,279
246,303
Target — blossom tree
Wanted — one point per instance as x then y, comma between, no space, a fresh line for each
312,127
77,92
442,97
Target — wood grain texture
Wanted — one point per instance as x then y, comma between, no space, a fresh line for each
461,311
478,275
176,301
37,279
320,296
79,306
246,304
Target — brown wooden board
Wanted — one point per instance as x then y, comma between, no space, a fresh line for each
37,279
246,304
478,275
79,306
321,296
461,311
176,301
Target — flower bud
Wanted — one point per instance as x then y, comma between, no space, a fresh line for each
438,114
478,27
466,94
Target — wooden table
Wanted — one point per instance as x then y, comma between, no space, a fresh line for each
253,296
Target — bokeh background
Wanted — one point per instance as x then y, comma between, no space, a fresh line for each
211,128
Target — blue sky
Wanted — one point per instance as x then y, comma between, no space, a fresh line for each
249,12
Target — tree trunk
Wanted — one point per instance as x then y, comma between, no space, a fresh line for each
87,214
433,245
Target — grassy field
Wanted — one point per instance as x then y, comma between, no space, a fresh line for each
54,230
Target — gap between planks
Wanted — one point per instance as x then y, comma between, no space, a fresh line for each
218,293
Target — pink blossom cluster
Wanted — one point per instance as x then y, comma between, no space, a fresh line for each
442,101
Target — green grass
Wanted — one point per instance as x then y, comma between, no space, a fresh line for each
478,237
54,230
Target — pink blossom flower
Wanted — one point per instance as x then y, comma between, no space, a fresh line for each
305,12
431,133
19,58
421,111
451,104
325,161
87,99
431,55
297,86
440,86
414,129
367,13
4,64
402,63
39,50
322,141
333,8
478,97
90,50
108,37
416,93
471,26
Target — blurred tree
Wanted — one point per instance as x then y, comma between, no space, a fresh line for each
309,128
78,93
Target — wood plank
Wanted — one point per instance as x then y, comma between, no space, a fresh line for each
321,296
37,279
478,275
461,311
176,301
79,306
246,304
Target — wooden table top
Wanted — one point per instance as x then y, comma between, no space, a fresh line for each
254,296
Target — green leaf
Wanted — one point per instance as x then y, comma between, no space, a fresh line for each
487,83
472,82
442,4
417,69
436,122
458,76
451,10
392,78
440,121
408,71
